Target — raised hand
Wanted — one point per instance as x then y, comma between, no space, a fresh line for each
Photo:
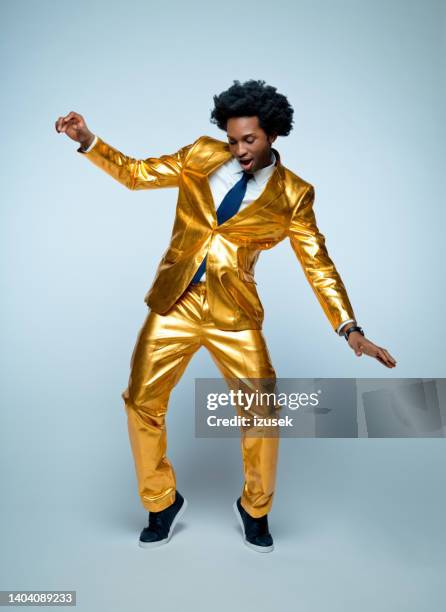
74,126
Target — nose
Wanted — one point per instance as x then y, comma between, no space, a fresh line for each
240,151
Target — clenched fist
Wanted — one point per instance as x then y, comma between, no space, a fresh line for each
75,127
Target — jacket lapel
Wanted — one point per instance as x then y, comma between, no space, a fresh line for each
220,155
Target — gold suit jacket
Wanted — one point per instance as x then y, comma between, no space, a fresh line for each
283,209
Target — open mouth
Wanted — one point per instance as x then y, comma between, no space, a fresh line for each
246,164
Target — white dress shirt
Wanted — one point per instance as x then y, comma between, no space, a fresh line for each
226,176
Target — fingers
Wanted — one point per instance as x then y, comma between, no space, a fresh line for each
385,358
381,354
390,359
380,359
63,122
58,124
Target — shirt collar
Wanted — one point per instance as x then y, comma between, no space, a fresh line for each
260,176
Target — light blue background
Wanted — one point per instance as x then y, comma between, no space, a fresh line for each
356,522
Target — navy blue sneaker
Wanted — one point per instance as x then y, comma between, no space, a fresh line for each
161,524
255,531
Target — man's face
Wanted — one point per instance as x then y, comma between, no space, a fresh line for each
249,143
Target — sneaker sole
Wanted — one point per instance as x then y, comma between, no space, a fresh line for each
166,540
260,549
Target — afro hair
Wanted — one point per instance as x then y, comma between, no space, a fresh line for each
254,98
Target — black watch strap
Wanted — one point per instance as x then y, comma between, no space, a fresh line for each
352,329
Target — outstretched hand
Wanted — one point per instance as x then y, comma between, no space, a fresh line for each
74,126
360,345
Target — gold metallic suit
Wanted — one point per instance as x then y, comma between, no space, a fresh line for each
224,313
164,347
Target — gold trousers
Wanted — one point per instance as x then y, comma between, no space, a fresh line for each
164,347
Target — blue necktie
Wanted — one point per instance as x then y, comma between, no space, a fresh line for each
227,209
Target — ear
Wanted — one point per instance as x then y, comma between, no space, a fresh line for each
272,138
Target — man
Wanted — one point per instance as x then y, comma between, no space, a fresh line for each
235,200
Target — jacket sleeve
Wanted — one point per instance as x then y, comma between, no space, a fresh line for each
149,173
309,246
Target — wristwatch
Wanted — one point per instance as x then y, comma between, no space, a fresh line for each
352,329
